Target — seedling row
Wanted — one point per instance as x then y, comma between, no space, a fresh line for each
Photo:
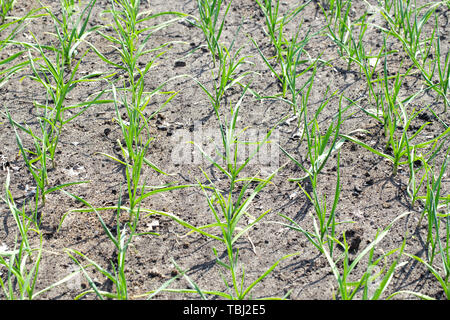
95,94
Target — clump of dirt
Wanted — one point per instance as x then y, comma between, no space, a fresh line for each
371,198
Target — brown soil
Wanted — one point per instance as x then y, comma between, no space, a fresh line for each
370,196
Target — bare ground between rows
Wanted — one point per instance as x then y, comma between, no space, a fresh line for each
370,196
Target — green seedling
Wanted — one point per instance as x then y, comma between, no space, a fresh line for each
390,109
211,26
227,214
275,24
326,217
338,23
380,94
23,222
136,134
290,54
442,279
53,77
122,239
227,76
432,206
319,149
443,66
343,31
419,166
21,276
23,261
289,62
23,272
349,38
342,267
228,209
441,274
373,283
319,146
130,43
394,116
70,31
406,24
227,62
9,31
131,38
135,151
36,160
409,22
23,266
401,147
415,183
5,8
437,210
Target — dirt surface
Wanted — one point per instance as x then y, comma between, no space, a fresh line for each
370,197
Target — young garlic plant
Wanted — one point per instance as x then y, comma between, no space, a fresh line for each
372,284
396,118
130,41
437,210
228,208
406,24
211,26
320,147
57,84
5,8
19,267
290,55
9,30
